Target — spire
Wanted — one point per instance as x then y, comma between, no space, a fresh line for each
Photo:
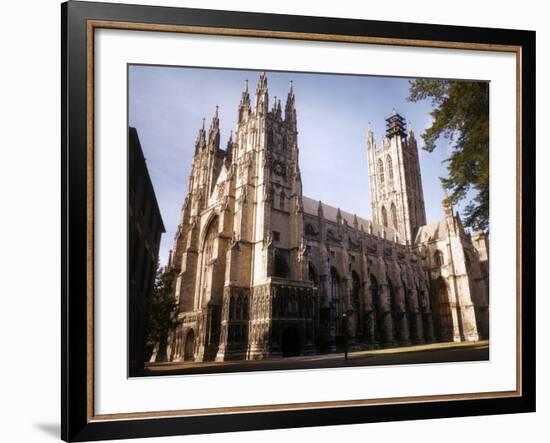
262,82
370,137
200,143
410,133
229,149
338,216
290,111
355,221
277,107
262,97
320,209
244,105
214,132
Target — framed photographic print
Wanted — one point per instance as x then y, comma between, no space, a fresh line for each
279,221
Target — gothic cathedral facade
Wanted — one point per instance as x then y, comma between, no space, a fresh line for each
262,271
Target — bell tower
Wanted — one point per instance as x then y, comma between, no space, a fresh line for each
397,198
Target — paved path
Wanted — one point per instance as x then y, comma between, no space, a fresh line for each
433,353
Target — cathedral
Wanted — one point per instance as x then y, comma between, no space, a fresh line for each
262,271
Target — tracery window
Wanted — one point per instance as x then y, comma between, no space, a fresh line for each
334,284
381,172
389,165
394,216
282,201
209,241
384,217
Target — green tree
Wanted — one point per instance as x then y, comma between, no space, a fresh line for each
461,115
162,317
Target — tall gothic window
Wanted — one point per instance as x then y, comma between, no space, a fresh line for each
355,290
282,201
384,216
381,171
389,165
438,258
334,284
394,216
270,138
207,256
209,240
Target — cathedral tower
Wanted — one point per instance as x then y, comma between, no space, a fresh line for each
397,198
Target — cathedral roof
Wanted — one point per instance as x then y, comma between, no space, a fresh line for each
432,231
330,213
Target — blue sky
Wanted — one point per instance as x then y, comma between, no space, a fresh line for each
167,105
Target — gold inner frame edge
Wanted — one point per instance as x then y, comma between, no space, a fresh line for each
121,25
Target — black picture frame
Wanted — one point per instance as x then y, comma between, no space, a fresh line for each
77,423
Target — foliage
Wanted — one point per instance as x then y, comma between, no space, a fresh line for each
461,115
163,307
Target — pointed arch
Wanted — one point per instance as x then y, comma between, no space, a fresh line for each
189,347
393,211
384,216
209,237
389,166
355,290
441,308
270,138
282,201
376,308
381,172
208,285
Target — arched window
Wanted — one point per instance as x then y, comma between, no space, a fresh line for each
208,249
334,284
270,138
355,290
389,166
207,255
384,216
381,171
282,201
310,230
394,216
377,317
439,260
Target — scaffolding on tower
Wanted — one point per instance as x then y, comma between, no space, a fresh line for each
395,125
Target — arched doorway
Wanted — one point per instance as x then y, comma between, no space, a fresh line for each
291,342
189,351
441,309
